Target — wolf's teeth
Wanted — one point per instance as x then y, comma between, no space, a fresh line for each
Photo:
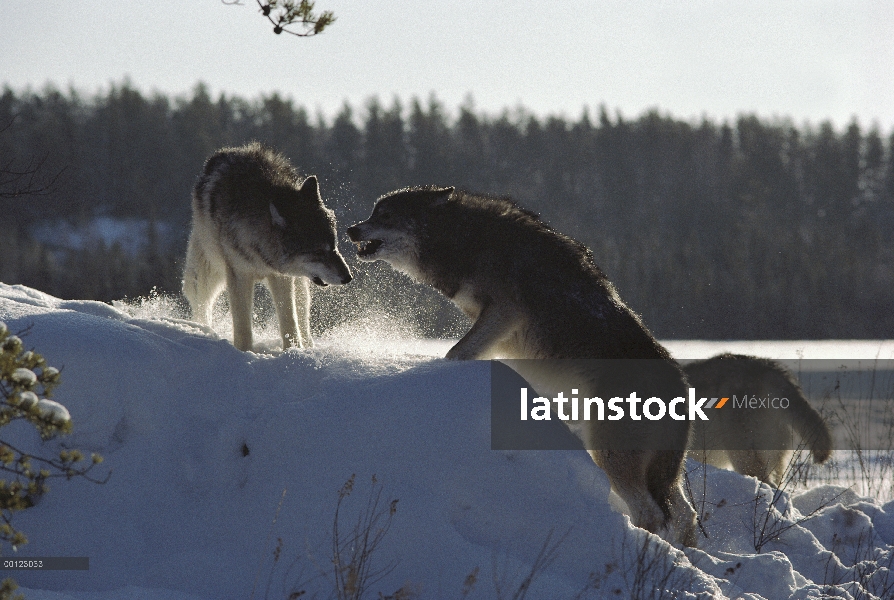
368,247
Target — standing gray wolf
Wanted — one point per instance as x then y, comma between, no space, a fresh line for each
762,436
251,220
533,293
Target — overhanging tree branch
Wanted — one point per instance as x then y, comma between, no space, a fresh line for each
295,17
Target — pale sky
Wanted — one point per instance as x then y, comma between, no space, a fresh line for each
807,60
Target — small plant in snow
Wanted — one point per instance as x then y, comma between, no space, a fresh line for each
26,382
771,507
544,559
354,568
353,546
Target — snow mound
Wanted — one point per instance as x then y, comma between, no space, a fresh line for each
227,466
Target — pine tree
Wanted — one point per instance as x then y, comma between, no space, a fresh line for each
26,384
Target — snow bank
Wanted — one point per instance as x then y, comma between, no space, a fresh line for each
202,440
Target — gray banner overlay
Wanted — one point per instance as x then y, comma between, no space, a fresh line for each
747,404
45,563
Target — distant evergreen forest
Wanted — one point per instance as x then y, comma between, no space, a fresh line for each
748,229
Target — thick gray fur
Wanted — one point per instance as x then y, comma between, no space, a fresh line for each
253,220
764,435
534,293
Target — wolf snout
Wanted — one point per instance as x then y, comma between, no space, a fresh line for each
354,233
366,246
343,278
343,271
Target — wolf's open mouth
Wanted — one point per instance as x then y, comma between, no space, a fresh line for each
319,282
367,247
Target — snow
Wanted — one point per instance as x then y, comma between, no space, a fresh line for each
54,411
219,456
25,400
24,377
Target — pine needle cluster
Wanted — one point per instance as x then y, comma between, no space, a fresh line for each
26,384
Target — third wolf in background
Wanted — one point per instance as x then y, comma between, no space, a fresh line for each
763,436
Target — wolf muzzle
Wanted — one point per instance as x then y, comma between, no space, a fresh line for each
365,247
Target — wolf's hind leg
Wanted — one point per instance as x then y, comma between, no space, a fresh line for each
648,485
780,461
626,472
754,463
241,288
282,288
203,282
684,518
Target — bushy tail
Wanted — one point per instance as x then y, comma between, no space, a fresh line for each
809,424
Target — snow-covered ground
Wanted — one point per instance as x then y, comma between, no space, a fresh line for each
227,466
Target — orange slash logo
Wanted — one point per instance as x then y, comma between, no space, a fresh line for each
714,401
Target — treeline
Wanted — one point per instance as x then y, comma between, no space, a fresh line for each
748,229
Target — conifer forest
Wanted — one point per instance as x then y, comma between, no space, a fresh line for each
749,228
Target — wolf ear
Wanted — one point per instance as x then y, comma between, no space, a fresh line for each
310,186
441,195
278,221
